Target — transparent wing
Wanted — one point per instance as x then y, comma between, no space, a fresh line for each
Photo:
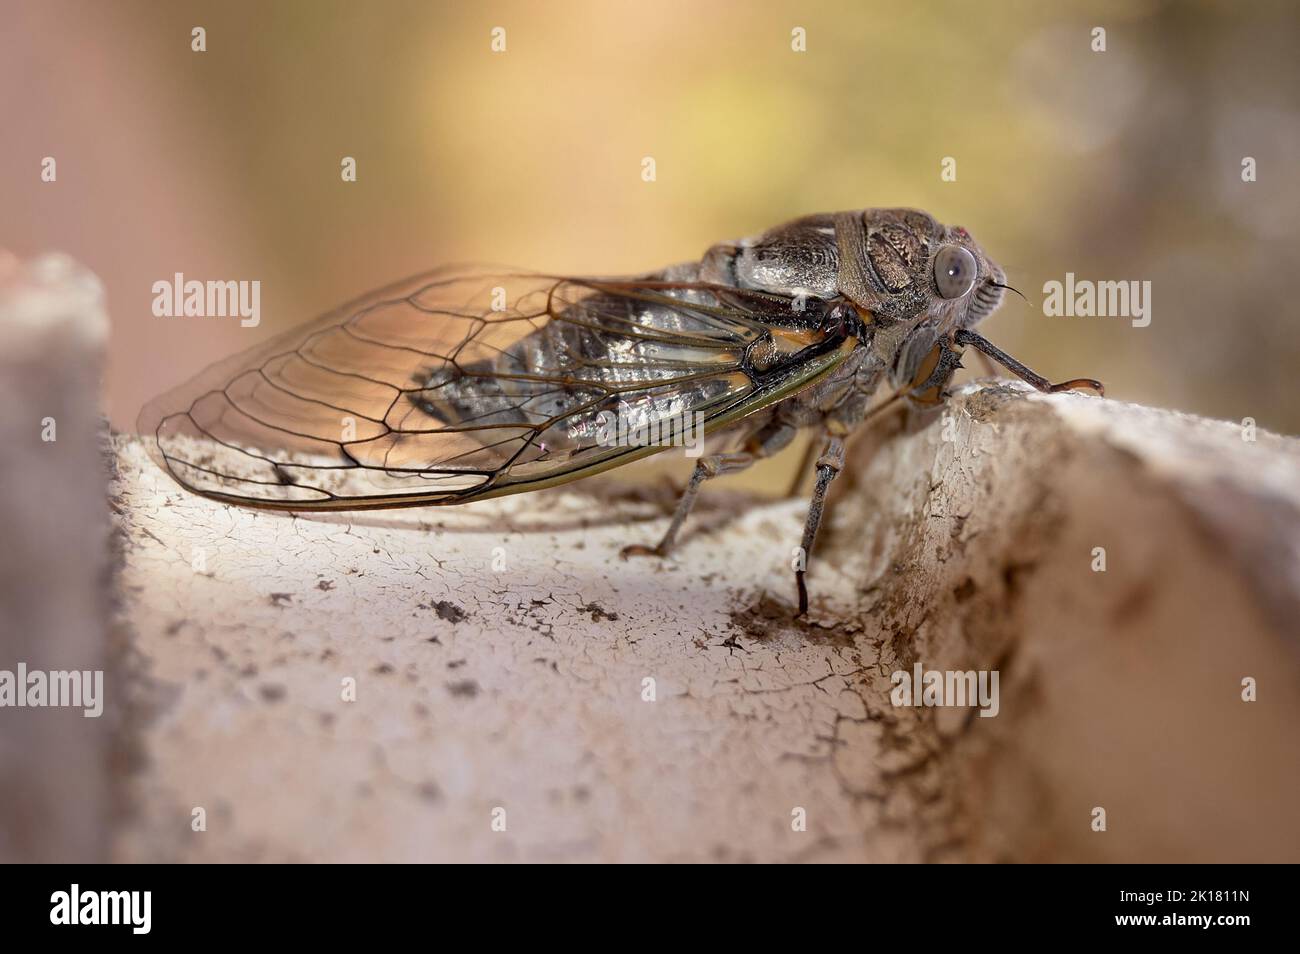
465,383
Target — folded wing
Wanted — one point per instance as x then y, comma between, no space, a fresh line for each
457,385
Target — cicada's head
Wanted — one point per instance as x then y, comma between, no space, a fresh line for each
918,268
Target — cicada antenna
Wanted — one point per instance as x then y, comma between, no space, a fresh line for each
1013,289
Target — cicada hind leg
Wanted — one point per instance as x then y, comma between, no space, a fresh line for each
764,443
706,468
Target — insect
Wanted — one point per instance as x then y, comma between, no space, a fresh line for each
467,383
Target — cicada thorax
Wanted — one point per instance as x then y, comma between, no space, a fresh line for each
884,261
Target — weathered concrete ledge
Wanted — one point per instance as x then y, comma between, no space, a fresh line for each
498,657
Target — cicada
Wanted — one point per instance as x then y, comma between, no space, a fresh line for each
468,383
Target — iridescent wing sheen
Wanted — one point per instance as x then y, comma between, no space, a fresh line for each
467,383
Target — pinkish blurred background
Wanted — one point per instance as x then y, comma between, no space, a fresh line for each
225,164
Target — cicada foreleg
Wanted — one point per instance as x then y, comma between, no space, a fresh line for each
1033,378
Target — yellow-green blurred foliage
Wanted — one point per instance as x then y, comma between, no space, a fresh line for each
1117,165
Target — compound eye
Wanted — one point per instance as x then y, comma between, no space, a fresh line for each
954,271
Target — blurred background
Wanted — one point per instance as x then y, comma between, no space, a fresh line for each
225,165
1115,165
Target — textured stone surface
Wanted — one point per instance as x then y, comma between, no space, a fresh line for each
499,652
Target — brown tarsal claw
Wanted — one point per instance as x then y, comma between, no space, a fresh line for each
1033,378
1078,384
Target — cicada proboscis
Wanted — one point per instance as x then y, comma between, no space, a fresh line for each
468,383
